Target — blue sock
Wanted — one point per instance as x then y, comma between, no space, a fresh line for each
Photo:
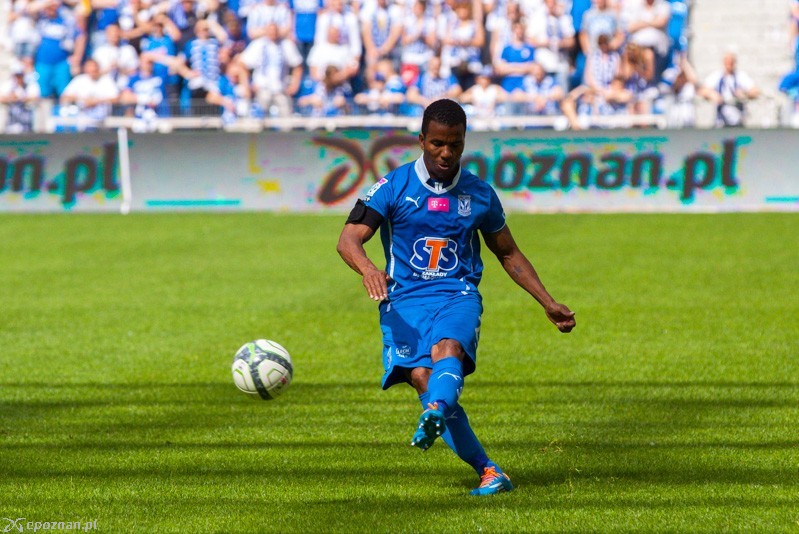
446,383
460,437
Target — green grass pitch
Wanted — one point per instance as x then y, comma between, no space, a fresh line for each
672,407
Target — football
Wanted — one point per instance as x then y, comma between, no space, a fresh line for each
262,368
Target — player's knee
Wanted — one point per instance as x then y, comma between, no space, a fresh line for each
418,378
446,348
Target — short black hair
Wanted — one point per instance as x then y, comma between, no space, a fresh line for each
444,111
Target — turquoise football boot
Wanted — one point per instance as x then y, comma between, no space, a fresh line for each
492,481
431,426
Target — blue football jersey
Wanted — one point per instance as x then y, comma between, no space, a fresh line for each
430,232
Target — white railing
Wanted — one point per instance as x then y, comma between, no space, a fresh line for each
769,110
372,121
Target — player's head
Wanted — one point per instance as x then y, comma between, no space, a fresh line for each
446,112
442,138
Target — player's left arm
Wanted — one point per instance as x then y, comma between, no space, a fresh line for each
522,272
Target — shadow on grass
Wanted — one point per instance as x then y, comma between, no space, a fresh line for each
375,383
674,475
614,406
603,448
677,474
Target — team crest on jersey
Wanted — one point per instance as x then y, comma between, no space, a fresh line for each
434,257
464,205
374,188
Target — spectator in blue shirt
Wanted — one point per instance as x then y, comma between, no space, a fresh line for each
385,91
330,96
234,95
305,13
146,93
202,57
515,60
431,86
161,48
183,14
104,14
60,49
542,93
790,86
235,39
382,29
601,19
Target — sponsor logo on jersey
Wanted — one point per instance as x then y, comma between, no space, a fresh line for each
464,205
434,257
374,188
438,204
415,201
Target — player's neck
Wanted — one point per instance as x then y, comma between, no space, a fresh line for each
445,182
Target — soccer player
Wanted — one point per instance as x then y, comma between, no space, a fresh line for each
429,213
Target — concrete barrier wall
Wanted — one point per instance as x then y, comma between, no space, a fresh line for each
533,171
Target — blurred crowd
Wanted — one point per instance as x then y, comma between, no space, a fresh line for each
152,59
789,84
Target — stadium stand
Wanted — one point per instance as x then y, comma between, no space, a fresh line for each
195,64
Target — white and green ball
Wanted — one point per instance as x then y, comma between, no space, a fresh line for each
262,368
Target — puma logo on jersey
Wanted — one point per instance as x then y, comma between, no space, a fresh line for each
414,200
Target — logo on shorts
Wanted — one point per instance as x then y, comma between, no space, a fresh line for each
435,257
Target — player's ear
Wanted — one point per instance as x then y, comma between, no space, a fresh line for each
421,140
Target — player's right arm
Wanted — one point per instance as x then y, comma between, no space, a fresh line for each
358,230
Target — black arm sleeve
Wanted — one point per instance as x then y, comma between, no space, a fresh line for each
363,214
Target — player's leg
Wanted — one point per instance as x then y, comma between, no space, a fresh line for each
455,332
432,421
444,386
458,432
460,437
446,380
452,324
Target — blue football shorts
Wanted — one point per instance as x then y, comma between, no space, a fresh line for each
411,329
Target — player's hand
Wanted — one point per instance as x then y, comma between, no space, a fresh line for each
561,316
376,284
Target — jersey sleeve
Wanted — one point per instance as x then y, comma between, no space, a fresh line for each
380,197
495,217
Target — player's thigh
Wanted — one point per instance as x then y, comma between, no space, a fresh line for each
405,335
459,319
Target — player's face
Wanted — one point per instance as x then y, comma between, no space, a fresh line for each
442,147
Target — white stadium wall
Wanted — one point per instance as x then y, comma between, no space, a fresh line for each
533,171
